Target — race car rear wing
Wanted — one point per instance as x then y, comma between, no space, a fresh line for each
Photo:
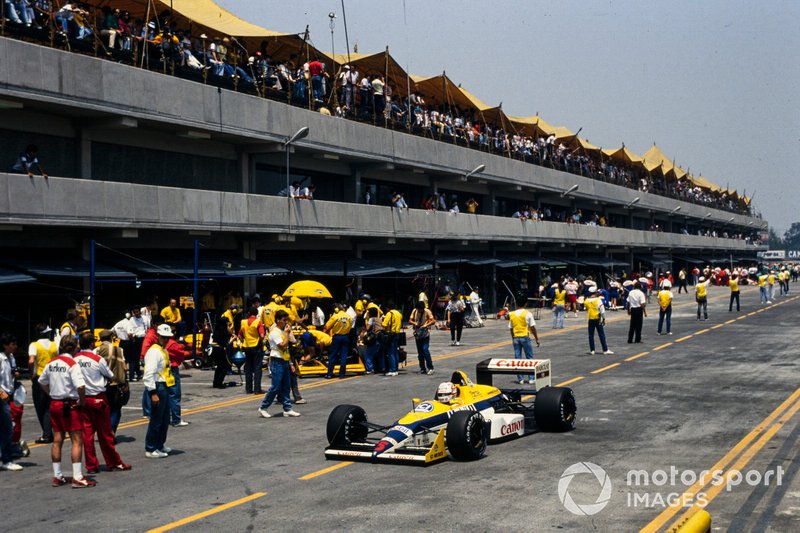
540,368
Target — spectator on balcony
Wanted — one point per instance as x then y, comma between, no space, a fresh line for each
316,69
28,161
349,84
11,12
378,97
397,200
109,27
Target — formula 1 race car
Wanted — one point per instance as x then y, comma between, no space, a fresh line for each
463,418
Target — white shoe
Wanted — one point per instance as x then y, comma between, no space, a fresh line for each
155,454
291,412
391,374
531,381
181,424
521,382
430,372
11,466
166,449
301,401
264,413
453,343
591,352
458,343
608,352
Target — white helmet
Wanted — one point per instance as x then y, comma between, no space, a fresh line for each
446,392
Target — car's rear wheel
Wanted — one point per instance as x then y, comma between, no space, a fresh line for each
466,436
555,409
347,424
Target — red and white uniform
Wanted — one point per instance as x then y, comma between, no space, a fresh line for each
64,378
96,413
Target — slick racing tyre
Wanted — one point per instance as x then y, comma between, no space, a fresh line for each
347,424
466,436
554,409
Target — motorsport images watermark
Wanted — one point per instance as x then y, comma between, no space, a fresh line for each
581,482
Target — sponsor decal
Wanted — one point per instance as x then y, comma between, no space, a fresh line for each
349,453
501,364
513,427
402,429
424,407
463,408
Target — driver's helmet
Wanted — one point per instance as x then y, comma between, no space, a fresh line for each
446,392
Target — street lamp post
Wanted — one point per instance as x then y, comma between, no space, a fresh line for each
570,190
300,134
476,170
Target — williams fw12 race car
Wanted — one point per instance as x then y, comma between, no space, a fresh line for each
460,421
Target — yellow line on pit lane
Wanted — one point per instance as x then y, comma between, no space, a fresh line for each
215,510
701,331
684,338
692,491
324,471
609,367
742,462
637,356
569,381
657,348
731,321
717,326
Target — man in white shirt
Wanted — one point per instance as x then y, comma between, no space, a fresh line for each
475,302
280,335
137,329
96,413
157,378
636,309
8,345
63,381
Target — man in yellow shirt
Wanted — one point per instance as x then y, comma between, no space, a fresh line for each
41,352
733,283
252,334
338,327
522,326
762,288
596,313
701,296
559,306
393,325
665,306
172,316
771,287
268,311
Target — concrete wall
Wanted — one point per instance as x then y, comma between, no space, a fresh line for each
92,203
89,85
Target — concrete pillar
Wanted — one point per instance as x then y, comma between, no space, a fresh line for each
492,204
249,282
84,154
357,194
246,171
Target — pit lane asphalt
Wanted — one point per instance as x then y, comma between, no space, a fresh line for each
683,405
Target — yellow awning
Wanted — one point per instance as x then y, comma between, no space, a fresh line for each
533,126
624,155
375,63
489,114
654,159
441,90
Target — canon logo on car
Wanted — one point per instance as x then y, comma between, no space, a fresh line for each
513,427
515,363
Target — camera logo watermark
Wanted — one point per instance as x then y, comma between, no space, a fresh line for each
587,509
653,489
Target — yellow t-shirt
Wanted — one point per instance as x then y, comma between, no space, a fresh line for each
44,356
518,321
373,305
560,297
339,324
170,316
360,307
268,314
771,279
733,283
393,321
700,289
323,339
762,280
593,307
664,298
250,333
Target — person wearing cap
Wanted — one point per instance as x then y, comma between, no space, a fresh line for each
596,313
733,283
40,352
95,414
157,378
233,314
349,85
268,311
63,381
701,296
637,311
665,306
150,338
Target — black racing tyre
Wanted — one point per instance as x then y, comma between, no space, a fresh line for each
466,435
554,409
347,424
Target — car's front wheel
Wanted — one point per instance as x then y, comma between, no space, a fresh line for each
466,435
347,424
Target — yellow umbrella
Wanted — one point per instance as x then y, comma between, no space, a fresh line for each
307,288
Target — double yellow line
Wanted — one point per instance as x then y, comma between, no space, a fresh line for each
745,450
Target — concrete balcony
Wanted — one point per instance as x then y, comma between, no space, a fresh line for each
75,203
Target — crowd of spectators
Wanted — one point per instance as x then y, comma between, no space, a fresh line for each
161,43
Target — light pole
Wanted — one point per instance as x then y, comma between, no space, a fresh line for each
570,190
634,201
302,133
676,209
332,17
